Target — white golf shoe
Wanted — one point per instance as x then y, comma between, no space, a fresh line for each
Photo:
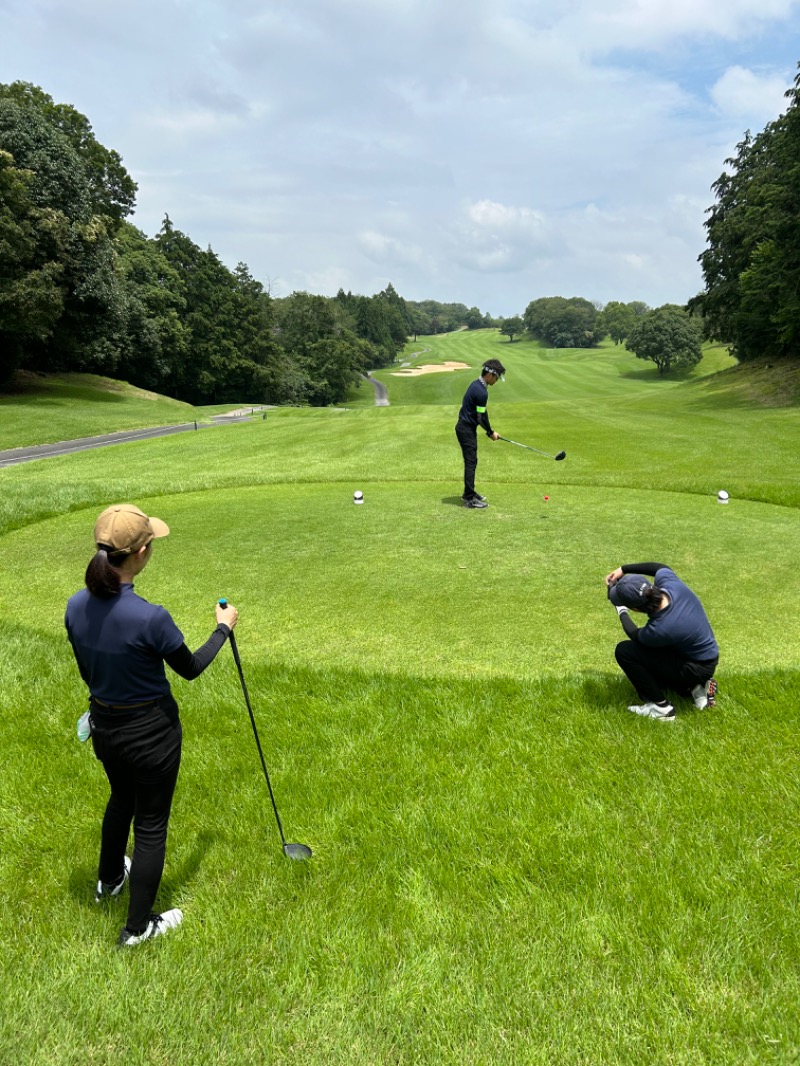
654,710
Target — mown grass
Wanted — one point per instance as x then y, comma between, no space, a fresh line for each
535,374
508,867
35,409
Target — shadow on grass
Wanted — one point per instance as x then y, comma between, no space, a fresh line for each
651,376
83,878
189,868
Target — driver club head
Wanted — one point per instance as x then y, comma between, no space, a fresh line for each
297,851
561,455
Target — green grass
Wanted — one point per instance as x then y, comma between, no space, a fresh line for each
507,866
535,374
43,410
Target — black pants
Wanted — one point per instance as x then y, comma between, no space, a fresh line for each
651,670
141,754
468,439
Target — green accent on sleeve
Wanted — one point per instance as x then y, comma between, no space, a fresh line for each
481,410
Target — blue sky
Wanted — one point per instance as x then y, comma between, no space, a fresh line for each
482,151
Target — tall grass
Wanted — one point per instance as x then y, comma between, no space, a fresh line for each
508,867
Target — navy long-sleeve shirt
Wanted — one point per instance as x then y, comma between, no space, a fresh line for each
682,625
474,406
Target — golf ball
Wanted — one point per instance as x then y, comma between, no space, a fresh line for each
722,496
358,497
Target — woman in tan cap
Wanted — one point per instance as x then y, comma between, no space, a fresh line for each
121,643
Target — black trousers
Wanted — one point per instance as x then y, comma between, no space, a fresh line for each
468,439
141,754
651,670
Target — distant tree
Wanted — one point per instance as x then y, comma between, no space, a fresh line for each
668,337
333,366
383,320
331,358
511,327
475,319
616,320
562,323
400,318
303,319
255,318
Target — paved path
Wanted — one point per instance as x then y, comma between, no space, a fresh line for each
44,451
381,397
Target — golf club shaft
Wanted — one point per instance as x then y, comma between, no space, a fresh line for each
238,661
527,447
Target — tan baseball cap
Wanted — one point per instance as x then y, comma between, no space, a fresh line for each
124,528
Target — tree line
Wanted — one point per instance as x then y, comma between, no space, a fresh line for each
82,289
669,336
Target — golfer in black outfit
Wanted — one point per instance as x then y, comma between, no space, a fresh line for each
474,413
121,643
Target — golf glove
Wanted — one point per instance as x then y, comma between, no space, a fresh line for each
621,610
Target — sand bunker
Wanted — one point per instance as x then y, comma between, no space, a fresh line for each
431,368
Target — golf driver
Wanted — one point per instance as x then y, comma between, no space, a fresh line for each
558,458
292,851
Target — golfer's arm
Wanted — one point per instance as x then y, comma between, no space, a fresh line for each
190,665
483,420
648,569
630,627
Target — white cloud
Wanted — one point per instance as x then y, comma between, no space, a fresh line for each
741,93
491,237
384,249
493,216
486,151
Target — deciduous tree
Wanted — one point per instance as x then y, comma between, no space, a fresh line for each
752,264
511,327
668,337
616,320
562,323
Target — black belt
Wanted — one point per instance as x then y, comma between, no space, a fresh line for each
122,706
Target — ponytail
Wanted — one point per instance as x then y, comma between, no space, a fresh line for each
102,577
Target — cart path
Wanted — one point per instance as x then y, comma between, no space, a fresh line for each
14,456
381,395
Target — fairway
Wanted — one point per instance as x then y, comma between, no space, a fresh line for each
508,866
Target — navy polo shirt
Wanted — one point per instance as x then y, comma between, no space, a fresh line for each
120,644
683,625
